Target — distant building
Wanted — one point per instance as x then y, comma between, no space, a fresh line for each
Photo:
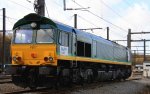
139,59
146,69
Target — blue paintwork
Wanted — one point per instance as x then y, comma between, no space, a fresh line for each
67,28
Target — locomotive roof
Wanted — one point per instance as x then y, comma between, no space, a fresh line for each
34,17
67,28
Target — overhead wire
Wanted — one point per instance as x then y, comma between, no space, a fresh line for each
127,3
29,1
69,19
119,34
47,10
107,21
54,1
101,18
115,12
20,5
98,17
111,8
8,20
87,20
10,17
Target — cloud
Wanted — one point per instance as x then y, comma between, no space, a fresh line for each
15,10
136,18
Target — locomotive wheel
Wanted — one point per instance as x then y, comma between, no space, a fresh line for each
89,79
32,84
57,84
20,81
89,74
64,78
81,80
32,80
65,81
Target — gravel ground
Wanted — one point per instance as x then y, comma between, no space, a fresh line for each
141,86
126,87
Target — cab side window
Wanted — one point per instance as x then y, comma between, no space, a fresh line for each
64,38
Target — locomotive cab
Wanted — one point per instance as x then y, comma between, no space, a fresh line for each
34,46
33,51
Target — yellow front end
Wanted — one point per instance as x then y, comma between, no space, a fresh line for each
34,54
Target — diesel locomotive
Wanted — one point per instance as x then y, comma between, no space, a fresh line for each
46,52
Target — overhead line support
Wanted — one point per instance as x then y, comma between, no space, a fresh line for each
3,47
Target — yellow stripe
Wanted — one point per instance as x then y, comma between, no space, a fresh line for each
85,59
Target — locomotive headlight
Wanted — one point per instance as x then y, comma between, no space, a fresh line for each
33,25
46,59
50,59
14,58
19,58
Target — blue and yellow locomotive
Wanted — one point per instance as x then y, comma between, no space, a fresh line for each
45,52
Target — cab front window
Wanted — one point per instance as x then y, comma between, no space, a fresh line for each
23,36
42,33
45,36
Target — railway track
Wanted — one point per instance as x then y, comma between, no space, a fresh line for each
67,90
28,91
3,76
7,80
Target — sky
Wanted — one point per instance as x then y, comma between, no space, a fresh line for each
118,15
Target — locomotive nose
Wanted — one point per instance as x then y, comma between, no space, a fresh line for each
39,54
